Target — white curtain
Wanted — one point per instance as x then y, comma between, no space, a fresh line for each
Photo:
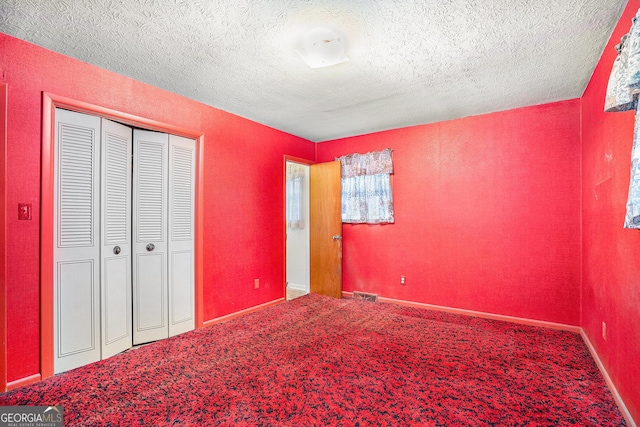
366,187
632,217
622,95
295,180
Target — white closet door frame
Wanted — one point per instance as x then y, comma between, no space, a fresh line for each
182,159
115,283
150,204
76,281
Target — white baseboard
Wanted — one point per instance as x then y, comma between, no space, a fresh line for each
297,287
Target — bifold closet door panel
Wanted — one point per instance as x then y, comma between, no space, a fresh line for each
77,240
182,159
150,205
117,329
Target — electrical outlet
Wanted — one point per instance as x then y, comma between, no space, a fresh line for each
604,331
256,283
24,211
402,280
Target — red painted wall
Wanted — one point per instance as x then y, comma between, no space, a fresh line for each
243,187
487,214
611,261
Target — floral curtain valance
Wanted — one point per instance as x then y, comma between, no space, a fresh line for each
366,188
374,163
619,95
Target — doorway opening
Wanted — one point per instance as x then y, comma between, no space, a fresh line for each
323,273
297,229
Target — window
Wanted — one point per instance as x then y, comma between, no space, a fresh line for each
366,187
295,178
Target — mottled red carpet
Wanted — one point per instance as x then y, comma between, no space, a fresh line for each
317,361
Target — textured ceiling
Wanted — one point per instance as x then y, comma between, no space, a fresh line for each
410,62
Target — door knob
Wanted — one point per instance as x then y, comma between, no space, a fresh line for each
337,237
116,250
151,247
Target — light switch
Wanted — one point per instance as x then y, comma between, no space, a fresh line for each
24,211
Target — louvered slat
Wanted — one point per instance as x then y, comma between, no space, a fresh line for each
76,198
117,183
151,191
182,204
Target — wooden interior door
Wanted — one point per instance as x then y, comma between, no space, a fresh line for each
325,229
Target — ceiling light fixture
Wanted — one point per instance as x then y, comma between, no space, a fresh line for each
321,47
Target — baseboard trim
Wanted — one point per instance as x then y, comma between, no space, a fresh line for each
242,312
482,314
297,287
616,396
31,379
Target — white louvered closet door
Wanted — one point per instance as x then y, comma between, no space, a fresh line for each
150,204
115,264
182,160
77,240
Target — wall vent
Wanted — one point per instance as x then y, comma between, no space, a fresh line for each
365,296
